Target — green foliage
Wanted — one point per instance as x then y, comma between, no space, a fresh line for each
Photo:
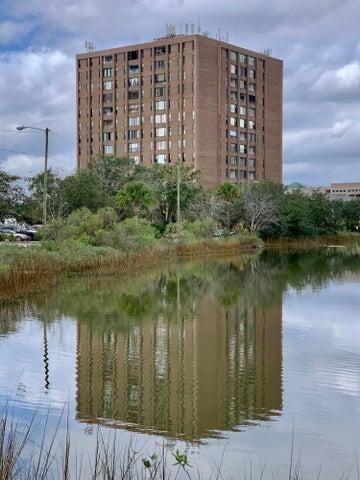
135,198
201,229
11,195
32,208
132,234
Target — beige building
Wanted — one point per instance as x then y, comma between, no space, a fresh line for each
344,191
183,98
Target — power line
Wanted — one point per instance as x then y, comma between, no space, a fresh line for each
63,138
32,155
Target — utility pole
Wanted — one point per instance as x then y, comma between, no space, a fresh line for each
46,130
178,195
45,176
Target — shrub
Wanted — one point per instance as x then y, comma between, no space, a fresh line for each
201,229
132,233
191,231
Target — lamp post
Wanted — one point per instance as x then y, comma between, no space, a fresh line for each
46,131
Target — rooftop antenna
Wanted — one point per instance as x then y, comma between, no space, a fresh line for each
89,46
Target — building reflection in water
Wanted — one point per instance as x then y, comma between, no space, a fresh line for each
189,375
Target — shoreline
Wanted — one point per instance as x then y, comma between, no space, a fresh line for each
30,271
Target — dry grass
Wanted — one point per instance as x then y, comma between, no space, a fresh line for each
24,271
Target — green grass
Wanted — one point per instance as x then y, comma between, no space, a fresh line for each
25,270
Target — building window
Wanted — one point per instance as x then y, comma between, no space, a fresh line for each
161,145
133,107
160,50
233,147
252,112
242,174
108,123
133,134
251,175
107,72
252,150
133,147
233,121
242,58
252,137
242,136
135,158
160,118
108,110
252,87
233,160
242,161
133,94
242,148
108,59
233,83
233,56
233,95
160,64
107,85
133,81
160,78
252,61
242,110
252,73
108,136
251,125
160,132
160,158
133,69
233,69
160,91
133,55
160,105
243,71
252,162
233,108
232,133
252,99
242,123
108,149
107,97
232,174
242,84
133,121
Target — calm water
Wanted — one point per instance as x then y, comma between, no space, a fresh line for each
220,357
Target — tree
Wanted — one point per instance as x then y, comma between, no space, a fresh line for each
84,189
11,195
260,204
113,172
135,199
228,193
33,205
164,183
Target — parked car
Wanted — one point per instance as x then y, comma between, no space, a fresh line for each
9,234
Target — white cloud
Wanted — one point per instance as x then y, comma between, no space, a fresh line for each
342,83
37,89
11,31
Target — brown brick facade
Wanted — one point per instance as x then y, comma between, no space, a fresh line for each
188,99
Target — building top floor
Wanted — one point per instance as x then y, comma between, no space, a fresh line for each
174,40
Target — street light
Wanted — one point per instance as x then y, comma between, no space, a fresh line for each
46,131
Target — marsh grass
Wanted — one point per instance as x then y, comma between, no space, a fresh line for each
24,271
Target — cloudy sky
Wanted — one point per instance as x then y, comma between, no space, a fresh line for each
319,42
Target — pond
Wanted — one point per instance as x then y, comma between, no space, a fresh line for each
236,361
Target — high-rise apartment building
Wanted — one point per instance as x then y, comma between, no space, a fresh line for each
183,98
